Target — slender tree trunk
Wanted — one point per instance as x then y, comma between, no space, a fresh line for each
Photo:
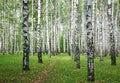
90,42
69,29
83,36
32,32
25,36
47,30
112,38
3,25
116,29
77,50
101,28
14,28
39,50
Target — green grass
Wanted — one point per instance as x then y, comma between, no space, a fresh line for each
64,71
11,69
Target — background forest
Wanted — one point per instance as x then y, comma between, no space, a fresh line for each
86,30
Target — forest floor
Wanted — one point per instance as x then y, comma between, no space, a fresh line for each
45,73
57,69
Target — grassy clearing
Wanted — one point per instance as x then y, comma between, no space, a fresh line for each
64,71
11,69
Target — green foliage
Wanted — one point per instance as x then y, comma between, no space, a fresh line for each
61,43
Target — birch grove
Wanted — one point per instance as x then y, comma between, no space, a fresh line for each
78,28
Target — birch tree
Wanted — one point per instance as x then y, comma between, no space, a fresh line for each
39,50
47,30
83,35
25,36
112,38
101,28
32,32
77,50
69,29
90,46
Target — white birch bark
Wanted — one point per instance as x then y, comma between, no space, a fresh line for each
90,42
77,49
101,28
83,37
112,37
25,36
47,30
32,32
39,49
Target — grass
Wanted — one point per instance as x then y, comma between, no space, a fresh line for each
64,71
11,69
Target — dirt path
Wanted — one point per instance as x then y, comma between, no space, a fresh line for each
45,73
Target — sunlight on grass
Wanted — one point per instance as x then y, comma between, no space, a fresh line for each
11,69
64,71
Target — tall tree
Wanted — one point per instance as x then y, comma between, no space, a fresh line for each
90,46
39,50
77,50
25,35
112,38
32,32
47,30
101,28
83,33
14,27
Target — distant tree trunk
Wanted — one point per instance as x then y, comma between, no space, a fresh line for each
47,30
83,36
25,35
9,39
52,32
14,27
3,30
58,26
69,29
116,29
112,38
39,50
77,50
90,43
32,32
101,28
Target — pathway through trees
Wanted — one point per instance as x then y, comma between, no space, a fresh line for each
45,73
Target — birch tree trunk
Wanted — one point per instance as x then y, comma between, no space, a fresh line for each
116,29
90,43
39,50
9,46
14,27
77,50
25,35
69,29
47,31
101,28
32,32
112,38
3,30
83,37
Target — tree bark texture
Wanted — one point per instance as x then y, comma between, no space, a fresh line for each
90,52
25,35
